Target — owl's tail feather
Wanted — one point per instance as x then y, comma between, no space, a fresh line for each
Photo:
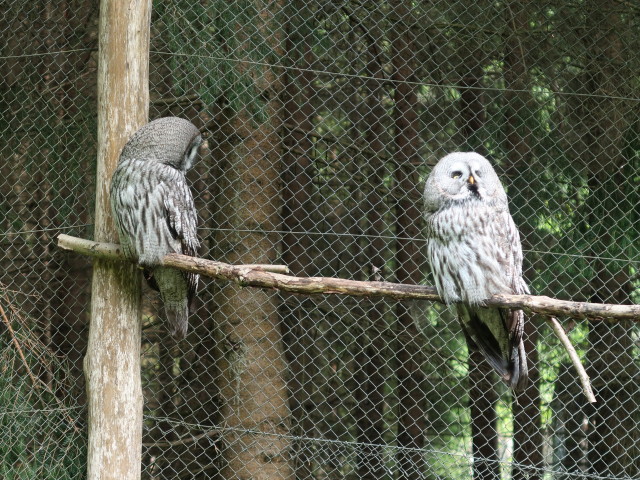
503,350
519,374
177,319
175,296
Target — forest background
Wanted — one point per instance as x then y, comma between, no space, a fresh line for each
322,120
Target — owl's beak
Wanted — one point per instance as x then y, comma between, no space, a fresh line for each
471,180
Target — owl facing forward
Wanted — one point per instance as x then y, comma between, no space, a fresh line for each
475,252
154,212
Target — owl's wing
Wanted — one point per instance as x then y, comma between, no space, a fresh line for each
515,318
511,252
182,220
181,214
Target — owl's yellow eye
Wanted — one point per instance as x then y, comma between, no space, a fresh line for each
456,174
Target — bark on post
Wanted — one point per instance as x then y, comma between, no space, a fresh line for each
112,364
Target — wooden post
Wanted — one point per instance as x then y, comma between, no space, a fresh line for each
112,364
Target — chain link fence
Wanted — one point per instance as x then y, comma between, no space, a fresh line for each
321,121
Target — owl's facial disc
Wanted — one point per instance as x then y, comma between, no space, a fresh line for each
460,177
463,180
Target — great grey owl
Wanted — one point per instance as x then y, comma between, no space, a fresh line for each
475,252
154,211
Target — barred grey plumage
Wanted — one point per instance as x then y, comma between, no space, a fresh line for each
154,211
475,252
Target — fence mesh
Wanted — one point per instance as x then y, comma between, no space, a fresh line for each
321,121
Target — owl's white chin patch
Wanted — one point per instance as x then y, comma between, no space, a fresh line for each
475,190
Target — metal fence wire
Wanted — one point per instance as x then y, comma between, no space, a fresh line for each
321,121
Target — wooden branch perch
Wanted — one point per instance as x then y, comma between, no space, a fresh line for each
113,251
273,276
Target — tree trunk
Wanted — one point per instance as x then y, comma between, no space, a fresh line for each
252,387
370,360
527,435
44,73
473,50
484,418
483,396
612,430
297,189
254,410
112,364
568,427
408,226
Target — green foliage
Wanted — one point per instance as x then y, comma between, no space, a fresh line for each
227,38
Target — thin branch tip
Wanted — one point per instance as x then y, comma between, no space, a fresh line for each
573,355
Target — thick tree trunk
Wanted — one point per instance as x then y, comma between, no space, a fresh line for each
613,429
253,394
472,117
484,418
112,364
369,408
527,436
370,360
44,74
569,434
254,409
483,396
